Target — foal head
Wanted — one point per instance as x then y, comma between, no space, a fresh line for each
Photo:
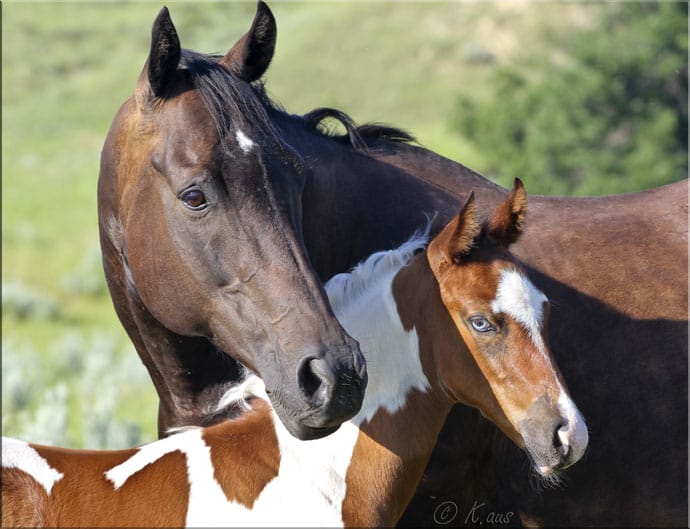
502,318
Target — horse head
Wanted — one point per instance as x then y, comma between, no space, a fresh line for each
502,318
200,197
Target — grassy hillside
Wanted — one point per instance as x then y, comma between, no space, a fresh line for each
69,372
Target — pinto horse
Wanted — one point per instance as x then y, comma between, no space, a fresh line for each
418,316
618,283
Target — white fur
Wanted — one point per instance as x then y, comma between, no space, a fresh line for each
186,439
18,454
310,487
363,303
148,454
576,435
245,143
237,395
517,297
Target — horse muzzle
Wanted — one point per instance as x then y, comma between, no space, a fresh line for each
555,435
330,390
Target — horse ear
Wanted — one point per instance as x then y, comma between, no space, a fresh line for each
507,222
163,58
250,56
457,238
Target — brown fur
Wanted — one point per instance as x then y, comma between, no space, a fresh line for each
506,225
463,230
244,453
389,459
250,56
615,268
255,459
184,288
24,501
84,497
391,451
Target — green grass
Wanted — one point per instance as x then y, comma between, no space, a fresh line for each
68,66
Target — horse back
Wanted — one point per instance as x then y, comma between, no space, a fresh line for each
79,494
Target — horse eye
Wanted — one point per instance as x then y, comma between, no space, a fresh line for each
481,324
194,199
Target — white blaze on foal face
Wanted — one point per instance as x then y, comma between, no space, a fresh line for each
502,317
510,346
518,298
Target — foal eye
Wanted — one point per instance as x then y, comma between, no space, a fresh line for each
481,324
194,199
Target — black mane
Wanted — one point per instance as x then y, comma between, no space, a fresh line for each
359,136
226,95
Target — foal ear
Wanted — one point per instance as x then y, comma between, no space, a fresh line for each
506,225
457,238
250,56
163,59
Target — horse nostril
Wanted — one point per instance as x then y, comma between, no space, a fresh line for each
562,439
315,381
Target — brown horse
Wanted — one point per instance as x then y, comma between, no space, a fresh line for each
201,232
618,283
418,315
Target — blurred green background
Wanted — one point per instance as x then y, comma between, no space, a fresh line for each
575,98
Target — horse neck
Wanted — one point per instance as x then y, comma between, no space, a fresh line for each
347,189
403,409
362,475
390,189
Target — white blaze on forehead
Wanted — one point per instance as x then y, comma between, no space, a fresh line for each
246,144
517,297
18,454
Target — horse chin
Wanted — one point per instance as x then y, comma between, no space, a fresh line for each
545,471
307,433
547,463
299,426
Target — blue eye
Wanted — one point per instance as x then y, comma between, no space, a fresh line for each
481,324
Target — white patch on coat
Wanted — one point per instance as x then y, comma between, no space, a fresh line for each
363,302
310,486
20,455
245,143
150,453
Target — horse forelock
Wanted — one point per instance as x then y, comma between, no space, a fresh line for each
227,97
236,107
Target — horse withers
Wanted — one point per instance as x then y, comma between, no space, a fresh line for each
426,321
200,222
